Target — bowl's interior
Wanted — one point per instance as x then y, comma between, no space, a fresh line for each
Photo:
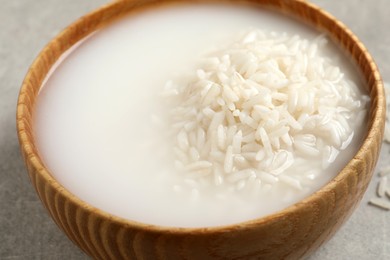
327,208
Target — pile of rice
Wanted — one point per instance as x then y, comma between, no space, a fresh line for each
258,110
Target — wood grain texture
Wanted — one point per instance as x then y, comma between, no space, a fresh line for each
288,234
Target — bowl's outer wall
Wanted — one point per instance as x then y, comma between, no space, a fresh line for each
289,234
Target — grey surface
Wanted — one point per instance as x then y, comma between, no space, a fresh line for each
27,232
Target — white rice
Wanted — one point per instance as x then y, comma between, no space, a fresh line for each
381,203
382,187
259,107
385,171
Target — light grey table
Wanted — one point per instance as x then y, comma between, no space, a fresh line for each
27,232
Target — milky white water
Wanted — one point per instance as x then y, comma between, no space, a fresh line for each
96,115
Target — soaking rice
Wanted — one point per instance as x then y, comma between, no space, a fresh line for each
260,108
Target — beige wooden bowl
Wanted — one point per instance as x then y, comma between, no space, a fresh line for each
289,234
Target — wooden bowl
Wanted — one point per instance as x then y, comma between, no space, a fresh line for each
289,234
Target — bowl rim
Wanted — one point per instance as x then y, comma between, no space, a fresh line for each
28,148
